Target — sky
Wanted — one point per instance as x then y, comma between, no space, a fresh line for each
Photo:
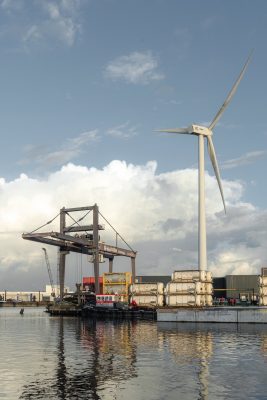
85,84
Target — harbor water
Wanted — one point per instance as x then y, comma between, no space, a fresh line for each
44,357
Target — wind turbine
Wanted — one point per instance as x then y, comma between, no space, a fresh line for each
206,132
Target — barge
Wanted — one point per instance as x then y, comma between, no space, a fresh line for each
102,312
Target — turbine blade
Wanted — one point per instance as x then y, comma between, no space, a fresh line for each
213,159
176,130
230,95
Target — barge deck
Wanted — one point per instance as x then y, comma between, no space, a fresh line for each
237,315
103,313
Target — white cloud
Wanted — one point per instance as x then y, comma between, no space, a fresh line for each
123,131
136,68
245,159
48,20
155,213
33,33
69,151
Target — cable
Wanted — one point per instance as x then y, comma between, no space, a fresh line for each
49,222
117,233
76,222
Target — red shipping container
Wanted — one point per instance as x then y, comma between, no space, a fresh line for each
91,279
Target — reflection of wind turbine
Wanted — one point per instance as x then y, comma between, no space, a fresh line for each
201,132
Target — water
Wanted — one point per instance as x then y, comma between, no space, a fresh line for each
45,357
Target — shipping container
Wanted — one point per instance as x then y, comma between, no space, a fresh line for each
208,277
91,279
149,301
146,288
263,291
263,280
184,300
263,301
180,287
117,277
189,276
208,300
115,289
188,288
208,288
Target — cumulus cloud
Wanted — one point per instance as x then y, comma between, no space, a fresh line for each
67,152
136,68
155,212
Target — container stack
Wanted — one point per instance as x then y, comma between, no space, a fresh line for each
147,294
189,288
117,283
263,287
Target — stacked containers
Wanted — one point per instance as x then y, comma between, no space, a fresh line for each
117,283
263,287
147,294
189,288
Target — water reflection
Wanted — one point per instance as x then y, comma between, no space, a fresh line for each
93,357
54,358
187,344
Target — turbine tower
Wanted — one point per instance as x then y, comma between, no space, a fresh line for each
206,132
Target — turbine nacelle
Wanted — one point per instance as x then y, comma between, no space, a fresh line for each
199,130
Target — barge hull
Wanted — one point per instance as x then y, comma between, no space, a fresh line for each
236,315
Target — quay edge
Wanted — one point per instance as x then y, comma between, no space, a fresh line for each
237,315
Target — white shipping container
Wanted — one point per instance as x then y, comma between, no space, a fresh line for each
147,288
263,280
201,288
263,301
263,291
208,288
208,300
208,277
183,300
180,287
188,288
150,301
202,299
193,275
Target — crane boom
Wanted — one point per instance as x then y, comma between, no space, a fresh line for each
49,272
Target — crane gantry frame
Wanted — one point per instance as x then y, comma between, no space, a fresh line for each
84,245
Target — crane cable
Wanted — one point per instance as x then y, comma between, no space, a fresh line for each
117,233
77,222
49,222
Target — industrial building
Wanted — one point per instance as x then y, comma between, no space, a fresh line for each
32,296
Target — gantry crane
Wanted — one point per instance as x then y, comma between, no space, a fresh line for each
49,272
84,243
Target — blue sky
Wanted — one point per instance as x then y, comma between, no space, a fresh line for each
87,82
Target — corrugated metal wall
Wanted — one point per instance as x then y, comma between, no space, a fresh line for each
241,285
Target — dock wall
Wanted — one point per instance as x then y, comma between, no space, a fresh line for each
254,315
